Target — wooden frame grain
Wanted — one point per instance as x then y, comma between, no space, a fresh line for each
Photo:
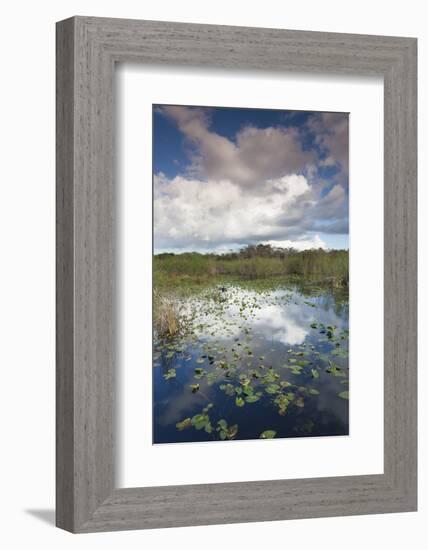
87,50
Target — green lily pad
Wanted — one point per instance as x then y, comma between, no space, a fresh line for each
228,389
211,378
315,373
336,371
344,394
296,370
222,424
200,421
184,424
271,376
283,401
248,390
252,398
239,401
171,373
273,388
244,380
268,434
194,387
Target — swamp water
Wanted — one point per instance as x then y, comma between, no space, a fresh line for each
253,364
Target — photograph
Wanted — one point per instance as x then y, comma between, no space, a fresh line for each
250,274
210,273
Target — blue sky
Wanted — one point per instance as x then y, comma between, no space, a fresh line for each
227,177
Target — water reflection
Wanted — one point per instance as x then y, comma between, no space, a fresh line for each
266,360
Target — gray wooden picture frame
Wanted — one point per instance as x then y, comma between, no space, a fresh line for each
87,50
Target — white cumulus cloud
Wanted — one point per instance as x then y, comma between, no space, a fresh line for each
261,186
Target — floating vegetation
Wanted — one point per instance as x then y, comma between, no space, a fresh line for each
268,434
225,431
335,370
254,356
184,424
170,374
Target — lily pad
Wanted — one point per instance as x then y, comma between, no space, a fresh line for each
199,421
268,434
271,376
248,390
184,424
282,401
171,373
296,370
226,432
336,371
228,389
199,373
273,388
222,424
211,378
239,401
344,394
252,398
244,380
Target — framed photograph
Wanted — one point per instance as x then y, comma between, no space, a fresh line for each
236,274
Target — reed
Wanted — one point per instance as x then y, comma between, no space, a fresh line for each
166,316
254,262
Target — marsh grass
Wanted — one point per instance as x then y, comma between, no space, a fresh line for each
253,263
166,316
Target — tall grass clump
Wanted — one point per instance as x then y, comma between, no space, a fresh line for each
166,316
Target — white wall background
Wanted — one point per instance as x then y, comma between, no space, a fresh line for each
27,272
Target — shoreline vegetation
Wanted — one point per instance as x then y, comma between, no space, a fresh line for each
261,265
253,262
